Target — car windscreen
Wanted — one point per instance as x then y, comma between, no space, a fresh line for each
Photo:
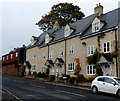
117,79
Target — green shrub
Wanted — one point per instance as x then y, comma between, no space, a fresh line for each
72,80
39,74
80,78
43,75
51,78
29,73
35,74
98,70
91,78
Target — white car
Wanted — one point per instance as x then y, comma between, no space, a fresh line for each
106,84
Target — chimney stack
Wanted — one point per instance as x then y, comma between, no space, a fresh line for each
98,10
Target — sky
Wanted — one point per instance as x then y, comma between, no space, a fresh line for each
18,18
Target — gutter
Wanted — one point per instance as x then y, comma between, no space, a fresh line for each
48,51
65,56
98,33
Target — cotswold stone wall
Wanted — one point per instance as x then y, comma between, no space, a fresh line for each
119,50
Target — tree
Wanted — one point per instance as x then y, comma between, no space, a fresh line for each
64,13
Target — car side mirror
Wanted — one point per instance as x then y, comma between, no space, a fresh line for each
114,83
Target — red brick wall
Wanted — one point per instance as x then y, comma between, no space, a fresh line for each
10,70
13,59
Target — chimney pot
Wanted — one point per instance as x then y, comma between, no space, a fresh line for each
98,10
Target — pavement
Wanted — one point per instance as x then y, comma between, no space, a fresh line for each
7,96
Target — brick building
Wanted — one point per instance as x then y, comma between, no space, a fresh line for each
13,62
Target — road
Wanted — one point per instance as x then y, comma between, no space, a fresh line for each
25,89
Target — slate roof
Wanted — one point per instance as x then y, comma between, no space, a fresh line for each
111,19
60,60
82,27
49,62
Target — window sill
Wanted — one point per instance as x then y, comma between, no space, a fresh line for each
70,70
91,74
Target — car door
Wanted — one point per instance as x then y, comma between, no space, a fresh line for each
109,87
100,82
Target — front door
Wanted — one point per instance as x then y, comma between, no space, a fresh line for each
106,70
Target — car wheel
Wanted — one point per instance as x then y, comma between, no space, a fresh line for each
94,89
118,93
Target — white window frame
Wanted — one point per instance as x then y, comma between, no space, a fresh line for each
72,66
67,32
71,50
7,57
96,26
89,50
61,53
51,54
43,69
88,70
47,39
11,56
106,47
33,67
16,54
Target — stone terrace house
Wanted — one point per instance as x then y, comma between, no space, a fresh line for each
94,36
13,62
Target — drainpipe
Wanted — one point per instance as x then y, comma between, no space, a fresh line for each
48,51
116,49
65,56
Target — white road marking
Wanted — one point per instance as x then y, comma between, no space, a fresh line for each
71,93
12,94
18,81
37,86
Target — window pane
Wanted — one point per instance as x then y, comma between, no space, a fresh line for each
87,69
94,70
100,79
88,50
90,69
104,47
108,46
73,66
91,49
108,80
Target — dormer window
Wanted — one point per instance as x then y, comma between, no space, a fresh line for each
97,24
96,27
34,40
47,39
67,31
7,57
11,56
16,54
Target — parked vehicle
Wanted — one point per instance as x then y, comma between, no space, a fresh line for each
106,84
